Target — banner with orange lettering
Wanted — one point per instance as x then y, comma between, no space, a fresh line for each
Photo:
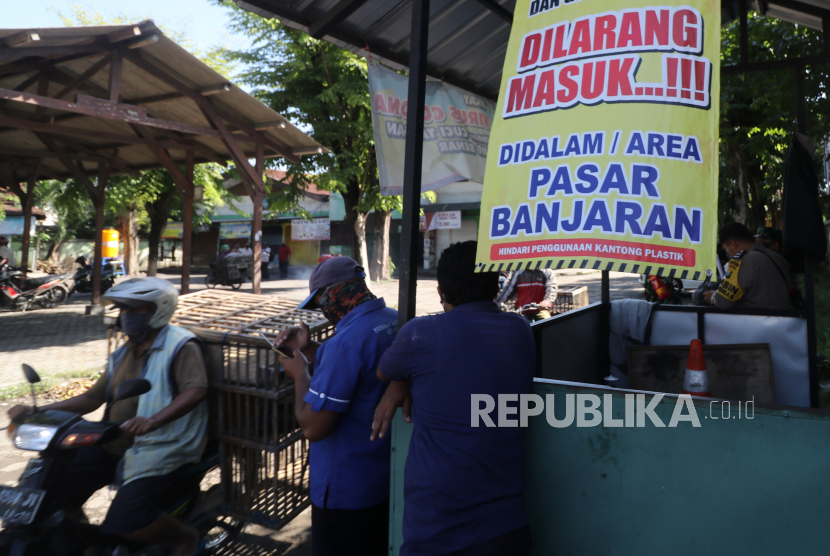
456,131
604,150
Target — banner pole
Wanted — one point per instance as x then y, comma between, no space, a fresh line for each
410,235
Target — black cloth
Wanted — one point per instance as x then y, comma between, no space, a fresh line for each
135,506
803,221
363,532
514,543
264,270
283,269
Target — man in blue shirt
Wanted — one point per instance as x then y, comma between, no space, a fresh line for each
349,473
463,486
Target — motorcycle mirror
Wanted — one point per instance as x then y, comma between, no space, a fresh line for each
31,374
132,388
32,377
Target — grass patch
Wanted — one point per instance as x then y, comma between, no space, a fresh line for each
47,382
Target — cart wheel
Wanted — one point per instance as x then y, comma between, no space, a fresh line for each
209,280
236,285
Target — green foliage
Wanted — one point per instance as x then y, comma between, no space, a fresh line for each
758,116
321,88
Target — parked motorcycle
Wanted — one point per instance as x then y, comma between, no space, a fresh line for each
662,290
34,521
47,291
83,276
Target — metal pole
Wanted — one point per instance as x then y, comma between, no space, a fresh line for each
812,355
605,358
410,235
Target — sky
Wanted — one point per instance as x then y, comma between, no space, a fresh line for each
199,20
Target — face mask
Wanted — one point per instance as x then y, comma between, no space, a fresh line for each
136,325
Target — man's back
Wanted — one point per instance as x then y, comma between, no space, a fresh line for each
760,281
463,485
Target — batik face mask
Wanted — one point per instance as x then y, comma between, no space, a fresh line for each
340,298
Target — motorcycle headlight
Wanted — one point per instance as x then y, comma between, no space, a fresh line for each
33,437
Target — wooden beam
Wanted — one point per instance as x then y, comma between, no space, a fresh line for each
256,135
124,34
76,172
167,97
115,78
38,153
91,106
28,82
166,161
239,157
46,127
278,124
52,50
83,78
21,38
80,152
206,107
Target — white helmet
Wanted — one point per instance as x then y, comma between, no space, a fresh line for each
155,292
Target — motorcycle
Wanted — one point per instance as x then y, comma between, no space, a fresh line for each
83,276
707,285
215,277
662,290
33,519
45,292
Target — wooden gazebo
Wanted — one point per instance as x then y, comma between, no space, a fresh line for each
91,102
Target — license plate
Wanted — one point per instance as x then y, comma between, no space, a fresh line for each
19,505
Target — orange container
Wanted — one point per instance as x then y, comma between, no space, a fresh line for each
110,243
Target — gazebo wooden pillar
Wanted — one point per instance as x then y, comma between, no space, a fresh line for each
26,200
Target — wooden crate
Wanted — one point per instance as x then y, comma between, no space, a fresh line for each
246,314
570,298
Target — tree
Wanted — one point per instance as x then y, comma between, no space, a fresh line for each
323,87
758,116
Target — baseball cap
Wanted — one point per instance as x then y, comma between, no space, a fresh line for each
328,272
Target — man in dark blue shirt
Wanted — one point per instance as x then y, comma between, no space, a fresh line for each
463,486
349,474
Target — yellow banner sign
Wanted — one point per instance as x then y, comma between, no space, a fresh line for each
604,150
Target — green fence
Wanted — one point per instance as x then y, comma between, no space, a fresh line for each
757,482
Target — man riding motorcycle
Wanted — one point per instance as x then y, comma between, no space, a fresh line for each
164,429
5,251
531,286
